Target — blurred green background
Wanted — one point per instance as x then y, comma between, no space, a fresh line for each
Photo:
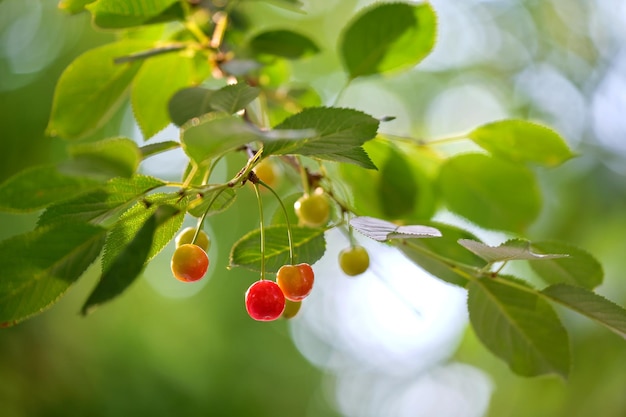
368,347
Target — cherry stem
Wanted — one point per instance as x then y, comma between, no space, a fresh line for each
262,221
304,177
282,205
201,219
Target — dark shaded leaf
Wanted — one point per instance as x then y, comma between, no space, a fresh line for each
129,262
40,186
283,43
590,305
518,326
580,268
39,266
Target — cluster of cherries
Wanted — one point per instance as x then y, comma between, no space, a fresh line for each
268,300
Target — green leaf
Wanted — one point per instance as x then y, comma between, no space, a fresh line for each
132,220
589,304
399,190
443,257
40,186
74,6
130,261
193,102
386,37
490,192
510,250
91,88
155,84
232,98
115,14
309,246
291,5
39,266
355,156
382,230
283,43
214,135
518,326
189,103
521,141
580,268
99,206
119,157
337,130
218,200
155,148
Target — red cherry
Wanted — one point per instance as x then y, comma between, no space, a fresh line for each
265,301
189,262
296,281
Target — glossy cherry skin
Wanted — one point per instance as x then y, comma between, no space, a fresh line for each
265,301
354,260
186,236
313,210
296,281
189,263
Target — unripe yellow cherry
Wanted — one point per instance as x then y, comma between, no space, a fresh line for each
313,210
354,260
186,236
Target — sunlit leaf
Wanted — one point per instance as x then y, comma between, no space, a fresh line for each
36,268
490,192
309,246
91,88
589,304
114,14
99,206
580,268
129,262
155,84
522,141
118,157
291,5
386,37
510,250
518,326
155,148
283,43
215,134
74,6
37,187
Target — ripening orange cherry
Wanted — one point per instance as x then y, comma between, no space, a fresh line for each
189,263
296,281
354,260
268,172
186,236
313,209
